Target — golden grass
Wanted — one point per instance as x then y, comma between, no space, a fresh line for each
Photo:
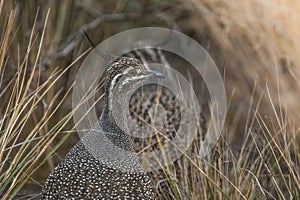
25,146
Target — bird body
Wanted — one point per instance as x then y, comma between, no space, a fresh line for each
103,164
82,176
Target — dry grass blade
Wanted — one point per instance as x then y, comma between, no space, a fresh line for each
22,154
5,39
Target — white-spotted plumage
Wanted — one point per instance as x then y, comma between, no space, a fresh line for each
88,174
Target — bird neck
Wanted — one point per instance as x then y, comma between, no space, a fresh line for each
114,123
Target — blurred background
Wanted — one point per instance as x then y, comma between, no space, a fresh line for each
254,43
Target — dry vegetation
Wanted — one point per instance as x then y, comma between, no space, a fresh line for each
254,43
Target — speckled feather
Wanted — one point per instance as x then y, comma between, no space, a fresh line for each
81,176
144,109
85,174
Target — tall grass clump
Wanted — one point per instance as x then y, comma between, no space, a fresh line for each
28,124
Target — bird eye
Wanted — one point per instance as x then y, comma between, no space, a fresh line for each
132,72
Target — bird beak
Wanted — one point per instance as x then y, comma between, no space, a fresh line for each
154,74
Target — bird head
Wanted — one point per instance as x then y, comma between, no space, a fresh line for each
123,73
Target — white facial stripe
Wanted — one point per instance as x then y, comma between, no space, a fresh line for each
127,80
127,70
113,82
